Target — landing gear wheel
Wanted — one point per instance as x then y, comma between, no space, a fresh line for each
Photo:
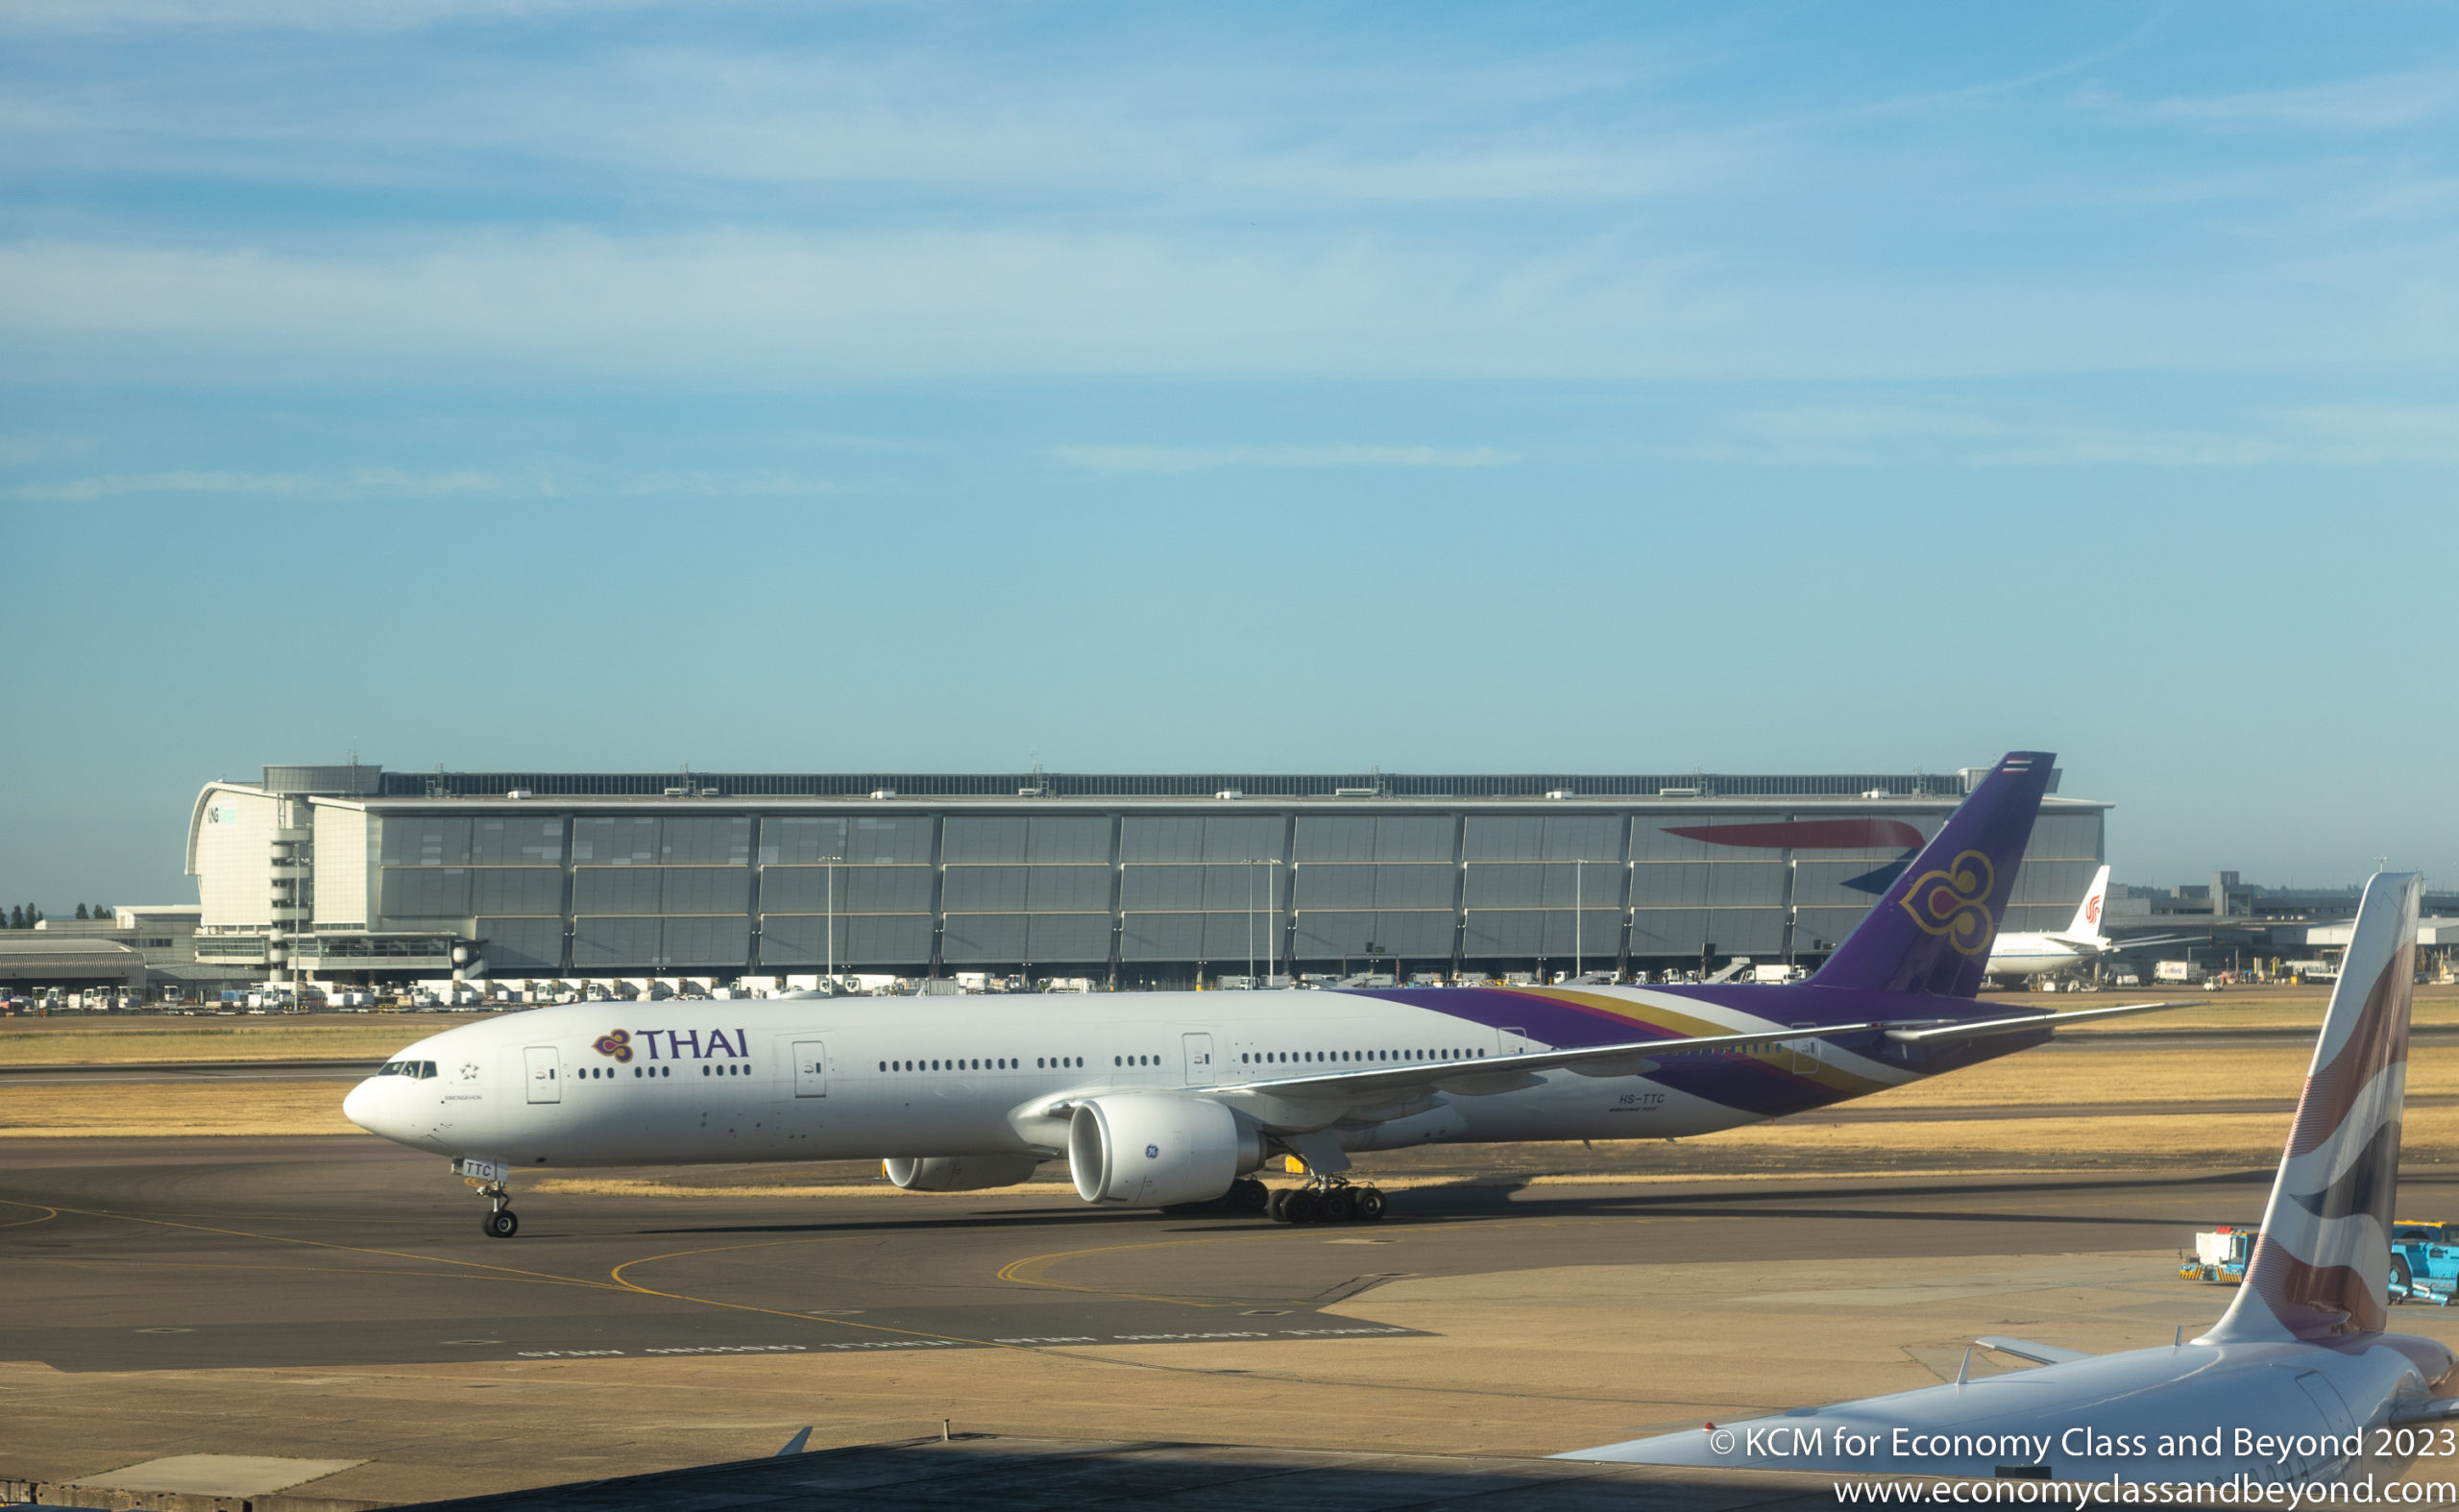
1301,1205
1249,1195
501,1223
1370,1204
1339,1205
1276,1204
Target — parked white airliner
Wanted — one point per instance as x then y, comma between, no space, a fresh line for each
1156,1099
2296,1383
2024,953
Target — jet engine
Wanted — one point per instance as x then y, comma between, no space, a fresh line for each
960,1173
1140,1150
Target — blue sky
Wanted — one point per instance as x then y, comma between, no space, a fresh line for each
1543,387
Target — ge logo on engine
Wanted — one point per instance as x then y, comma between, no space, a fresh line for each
1152,1152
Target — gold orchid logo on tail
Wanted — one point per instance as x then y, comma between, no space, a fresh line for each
1950,901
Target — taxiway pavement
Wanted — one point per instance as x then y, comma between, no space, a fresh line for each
331,1298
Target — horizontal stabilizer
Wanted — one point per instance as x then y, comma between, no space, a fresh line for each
2027,1350
2437,1409
2014,1023
795,1445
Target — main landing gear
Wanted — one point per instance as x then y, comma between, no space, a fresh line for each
500,1223
1327,1200
1246,1195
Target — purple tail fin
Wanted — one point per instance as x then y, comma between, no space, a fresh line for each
1932,931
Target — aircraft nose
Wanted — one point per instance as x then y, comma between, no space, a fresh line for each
360,1105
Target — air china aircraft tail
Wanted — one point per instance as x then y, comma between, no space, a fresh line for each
2086,924
1931,932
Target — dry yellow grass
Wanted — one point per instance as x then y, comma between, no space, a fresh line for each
73,1042
2233,1008
2057,1077
155,1110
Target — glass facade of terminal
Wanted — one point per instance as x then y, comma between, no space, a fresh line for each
1158,890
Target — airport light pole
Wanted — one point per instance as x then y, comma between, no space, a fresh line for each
1250,921
1272,918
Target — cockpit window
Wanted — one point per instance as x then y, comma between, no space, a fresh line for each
422,1071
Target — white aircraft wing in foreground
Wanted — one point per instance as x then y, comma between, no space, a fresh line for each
2296,1383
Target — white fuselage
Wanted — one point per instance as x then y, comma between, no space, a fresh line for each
2030,953
876,1078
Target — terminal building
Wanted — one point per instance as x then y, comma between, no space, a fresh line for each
357,875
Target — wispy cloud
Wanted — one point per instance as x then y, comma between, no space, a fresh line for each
770,306
2349,104
313,15
25,448
392,482
2380,432
1198,459
2036,433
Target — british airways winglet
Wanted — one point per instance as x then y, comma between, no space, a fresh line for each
2296,1383
1156,1099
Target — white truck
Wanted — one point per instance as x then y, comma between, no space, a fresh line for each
2176,972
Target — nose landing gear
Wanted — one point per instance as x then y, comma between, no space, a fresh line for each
500,1222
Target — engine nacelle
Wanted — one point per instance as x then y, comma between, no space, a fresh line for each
1136,1149
960,1173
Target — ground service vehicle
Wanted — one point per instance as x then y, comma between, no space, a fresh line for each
2221,1255
2425,1261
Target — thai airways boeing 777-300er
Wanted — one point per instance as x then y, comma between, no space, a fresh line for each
1160,1099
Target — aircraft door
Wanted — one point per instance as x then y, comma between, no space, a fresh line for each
1198,1048
2326,1398
811,1068
1805,1053
546,1073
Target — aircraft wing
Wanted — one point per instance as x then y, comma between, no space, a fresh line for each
2118,943
1485,1075
1930,1033
1358,1088
2027,1350
1391,1091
